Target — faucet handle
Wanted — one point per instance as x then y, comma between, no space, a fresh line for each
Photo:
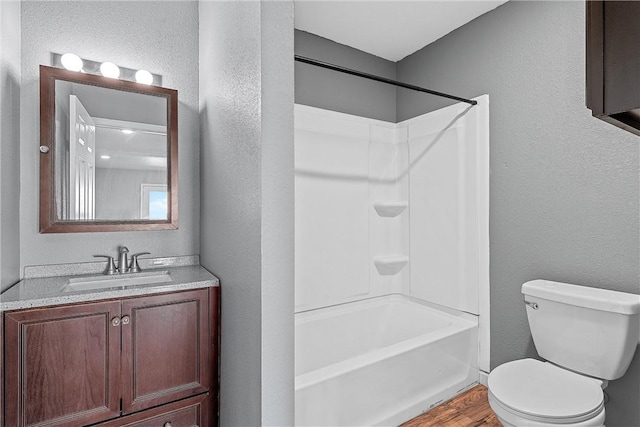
111,267
134,267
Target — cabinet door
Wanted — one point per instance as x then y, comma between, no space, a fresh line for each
165,348
613,62
62,365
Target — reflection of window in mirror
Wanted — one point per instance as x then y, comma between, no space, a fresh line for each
153,201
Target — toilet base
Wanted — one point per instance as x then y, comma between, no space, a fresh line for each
508,419
537,424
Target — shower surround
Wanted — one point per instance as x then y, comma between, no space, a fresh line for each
392,262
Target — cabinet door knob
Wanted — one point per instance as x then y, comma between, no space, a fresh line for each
115,321
126,320
167,424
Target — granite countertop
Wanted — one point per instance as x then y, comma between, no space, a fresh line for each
38,290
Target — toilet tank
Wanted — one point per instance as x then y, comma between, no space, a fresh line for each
588,330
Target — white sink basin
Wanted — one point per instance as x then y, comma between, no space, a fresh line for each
117,281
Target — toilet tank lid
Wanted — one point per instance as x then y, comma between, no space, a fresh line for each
584,296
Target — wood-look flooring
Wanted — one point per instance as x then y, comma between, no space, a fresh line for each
469,409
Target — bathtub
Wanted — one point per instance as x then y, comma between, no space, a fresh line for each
380,361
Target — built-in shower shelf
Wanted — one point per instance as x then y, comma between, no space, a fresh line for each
390,209
389,265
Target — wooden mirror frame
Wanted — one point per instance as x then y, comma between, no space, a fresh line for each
49,223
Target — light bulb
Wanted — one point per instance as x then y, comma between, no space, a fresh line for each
127,131
71,62
109,69
144,77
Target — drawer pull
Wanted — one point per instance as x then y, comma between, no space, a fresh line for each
125,321
115,321
167,424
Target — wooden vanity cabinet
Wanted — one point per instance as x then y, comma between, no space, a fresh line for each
83,364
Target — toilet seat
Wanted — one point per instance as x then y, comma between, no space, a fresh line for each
542,392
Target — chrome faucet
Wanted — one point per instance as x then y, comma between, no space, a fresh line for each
124,266
123,261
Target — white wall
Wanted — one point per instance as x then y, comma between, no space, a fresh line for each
10,42
384,208
388,213
246,119
160,36
344,164
332,205
449,205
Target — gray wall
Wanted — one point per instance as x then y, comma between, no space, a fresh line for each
160,36
246,119
119,191
564,186
9,143
322,88
278,288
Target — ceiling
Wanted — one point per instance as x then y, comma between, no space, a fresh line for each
390,29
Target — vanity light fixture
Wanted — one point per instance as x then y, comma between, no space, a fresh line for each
144,77
73,62
109,69
127,131
105,157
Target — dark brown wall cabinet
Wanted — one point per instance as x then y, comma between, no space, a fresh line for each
613,62
145,361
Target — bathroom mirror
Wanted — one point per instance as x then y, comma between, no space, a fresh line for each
108,154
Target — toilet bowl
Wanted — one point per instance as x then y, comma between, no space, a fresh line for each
531,393
587,336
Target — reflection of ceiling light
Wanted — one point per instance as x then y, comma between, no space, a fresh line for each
109,69
105,157
144,77
127,131
71,62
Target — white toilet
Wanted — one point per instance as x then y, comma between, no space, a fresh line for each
587,335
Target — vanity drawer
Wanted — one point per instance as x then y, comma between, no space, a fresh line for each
190,412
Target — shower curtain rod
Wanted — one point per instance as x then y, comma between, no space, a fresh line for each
340,69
